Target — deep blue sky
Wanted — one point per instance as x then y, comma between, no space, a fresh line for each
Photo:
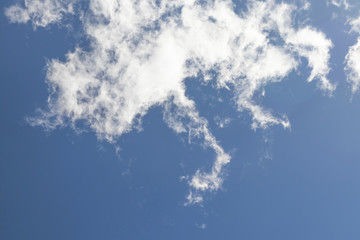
64,185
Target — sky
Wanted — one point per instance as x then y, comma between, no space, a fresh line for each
179,119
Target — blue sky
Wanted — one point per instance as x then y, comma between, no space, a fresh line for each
179,120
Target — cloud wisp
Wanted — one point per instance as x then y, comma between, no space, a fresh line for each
142,51
40,12
352,59
339,3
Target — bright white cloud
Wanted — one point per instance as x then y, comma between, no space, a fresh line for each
352,59
141,52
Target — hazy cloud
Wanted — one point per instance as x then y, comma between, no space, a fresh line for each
339,3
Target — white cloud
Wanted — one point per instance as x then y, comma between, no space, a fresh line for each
39,12
315,47
201,226
355,25
222,122
141,52
352,67
352,59
339,3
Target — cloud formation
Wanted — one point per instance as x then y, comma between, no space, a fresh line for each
40,12
142,51
352,59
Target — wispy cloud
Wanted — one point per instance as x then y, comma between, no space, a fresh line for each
222,122
141,52
40,12
352,59
201,226
339,3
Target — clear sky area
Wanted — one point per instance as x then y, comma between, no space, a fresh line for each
179,119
